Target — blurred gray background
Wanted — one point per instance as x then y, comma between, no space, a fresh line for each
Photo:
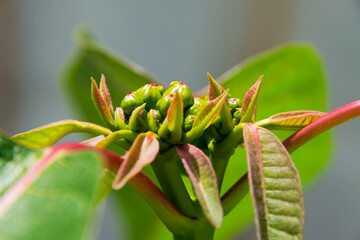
182,40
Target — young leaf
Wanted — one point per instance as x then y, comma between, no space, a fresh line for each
47,195
294,120
174,118
142,153
102,101
248,109
216,90
105,93
203,178
205,117
274,185
295,79
49,134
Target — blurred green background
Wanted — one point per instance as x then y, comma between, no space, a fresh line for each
182,41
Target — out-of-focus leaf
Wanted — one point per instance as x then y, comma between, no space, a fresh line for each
92,59
49,134
293,79
203,179
294,120
142,153
274,185
47,194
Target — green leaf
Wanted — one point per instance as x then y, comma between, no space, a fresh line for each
49,134
203,179
205,117
174,118
142,153
50,194
294,120
215,90
293,79
92,59
274,185
248,109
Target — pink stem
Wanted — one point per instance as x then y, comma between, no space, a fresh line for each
329,120
343,114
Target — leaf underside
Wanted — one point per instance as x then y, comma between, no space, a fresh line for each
274,185
142,153
203,179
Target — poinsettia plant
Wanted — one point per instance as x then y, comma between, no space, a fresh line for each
189,141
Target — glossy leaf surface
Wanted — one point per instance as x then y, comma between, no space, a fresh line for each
47,195
203,179
274,185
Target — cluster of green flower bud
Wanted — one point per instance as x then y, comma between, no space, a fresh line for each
148,109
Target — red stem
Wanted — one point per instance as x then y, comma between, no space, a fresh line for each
329,120
343,114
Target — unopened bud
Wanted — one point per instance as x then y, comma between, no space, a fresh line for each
164,103
130,102
188,123
150,94
184,91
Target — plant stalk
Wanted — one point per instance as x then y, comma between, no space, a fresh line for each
343,114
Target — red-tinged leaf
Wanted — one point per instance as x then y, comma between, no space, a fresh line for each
205,117
106,94
215,89
135,121
175,113
174,118
203,179
49,134
274,185
105,113
249,102
294,120
142,153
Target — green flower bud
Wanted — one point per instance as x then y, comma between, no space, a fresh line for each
150,94
237,116
188,123
183,90
234,103
130,102
154,119
161,89
164,103
196,107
